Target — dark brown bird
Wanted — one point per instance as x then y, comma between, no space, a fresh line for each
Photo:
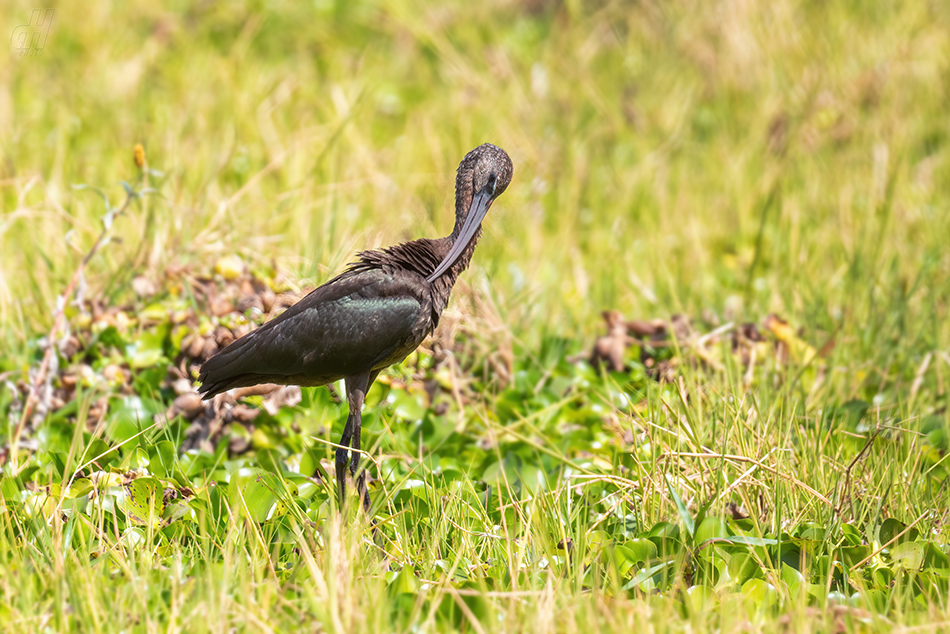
369,317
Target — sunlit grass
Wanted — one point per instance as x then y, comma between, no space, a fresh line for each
731,160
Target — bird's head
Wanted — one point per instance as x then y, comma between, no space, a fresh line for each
483,175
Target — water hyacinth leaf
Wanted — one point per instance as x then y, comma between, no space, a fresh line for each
100,452
123,425
256,491
791,575
760,591
310,465
147,351
711,528
57,461
743,567
851,555
139,458
108,336
908,555
142,502
891,528
270,460
883,577
665,535
935,558
749,540
131,416
404,581
156,312
408,406
80,487
503,470
631,525
852,534
163,459
647,574
853,411
639,551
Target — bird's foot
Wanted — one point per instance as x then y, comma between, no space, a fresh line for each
341,460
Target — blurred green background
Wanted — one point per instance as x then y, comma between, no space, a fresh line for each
740,157
726,160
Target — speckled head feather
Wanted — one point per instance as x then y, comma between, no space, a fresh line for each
475,171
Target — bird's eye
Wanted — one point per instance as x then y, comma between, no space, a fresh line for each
492,180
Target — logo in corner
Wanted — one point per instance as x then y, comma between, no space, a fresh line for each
29,39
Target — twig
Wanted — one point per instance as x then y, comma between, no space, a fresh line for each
846,489
891,541
919,379
734,458
363,452
60,314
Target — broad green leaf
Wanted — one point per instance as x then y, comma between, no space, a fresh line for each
142,502
647,574
711,528
936,558
890,528
256,491
743,567
640,550
760,591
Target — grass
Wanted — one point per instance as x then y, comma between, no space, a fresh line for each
733,159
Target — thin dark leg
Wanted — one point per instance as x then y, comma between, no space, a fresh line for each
361,488
341,456
356,387
357,430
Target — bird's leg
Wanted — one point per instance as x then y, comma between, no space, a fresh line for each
361,489
356,387
357,430
341,452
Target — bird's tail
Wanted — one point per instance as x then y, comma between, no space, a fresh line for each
228,368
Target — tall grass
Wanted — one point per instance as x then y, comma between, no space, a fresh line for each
648,139
735,158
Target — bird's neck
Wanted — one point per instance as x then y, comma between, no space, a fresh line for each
463,203
464,195
441,288
452,273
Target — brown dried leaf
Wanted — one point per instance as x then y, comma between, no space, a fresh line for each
189,405
143,286
682,328
238,445
208,350
780,328
223,336
69,381
243,414
219,307
261,389
287,395
192,345
736,511
610,348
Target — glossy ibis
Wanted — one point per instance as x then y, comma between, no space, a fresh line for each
369,317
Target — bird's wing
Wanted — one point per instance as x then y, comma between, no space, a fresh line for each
352,324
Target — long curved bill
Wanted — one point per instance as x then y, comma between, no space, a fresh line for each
476,213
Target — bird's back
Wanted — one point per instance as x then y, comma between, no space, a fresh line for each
363,320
